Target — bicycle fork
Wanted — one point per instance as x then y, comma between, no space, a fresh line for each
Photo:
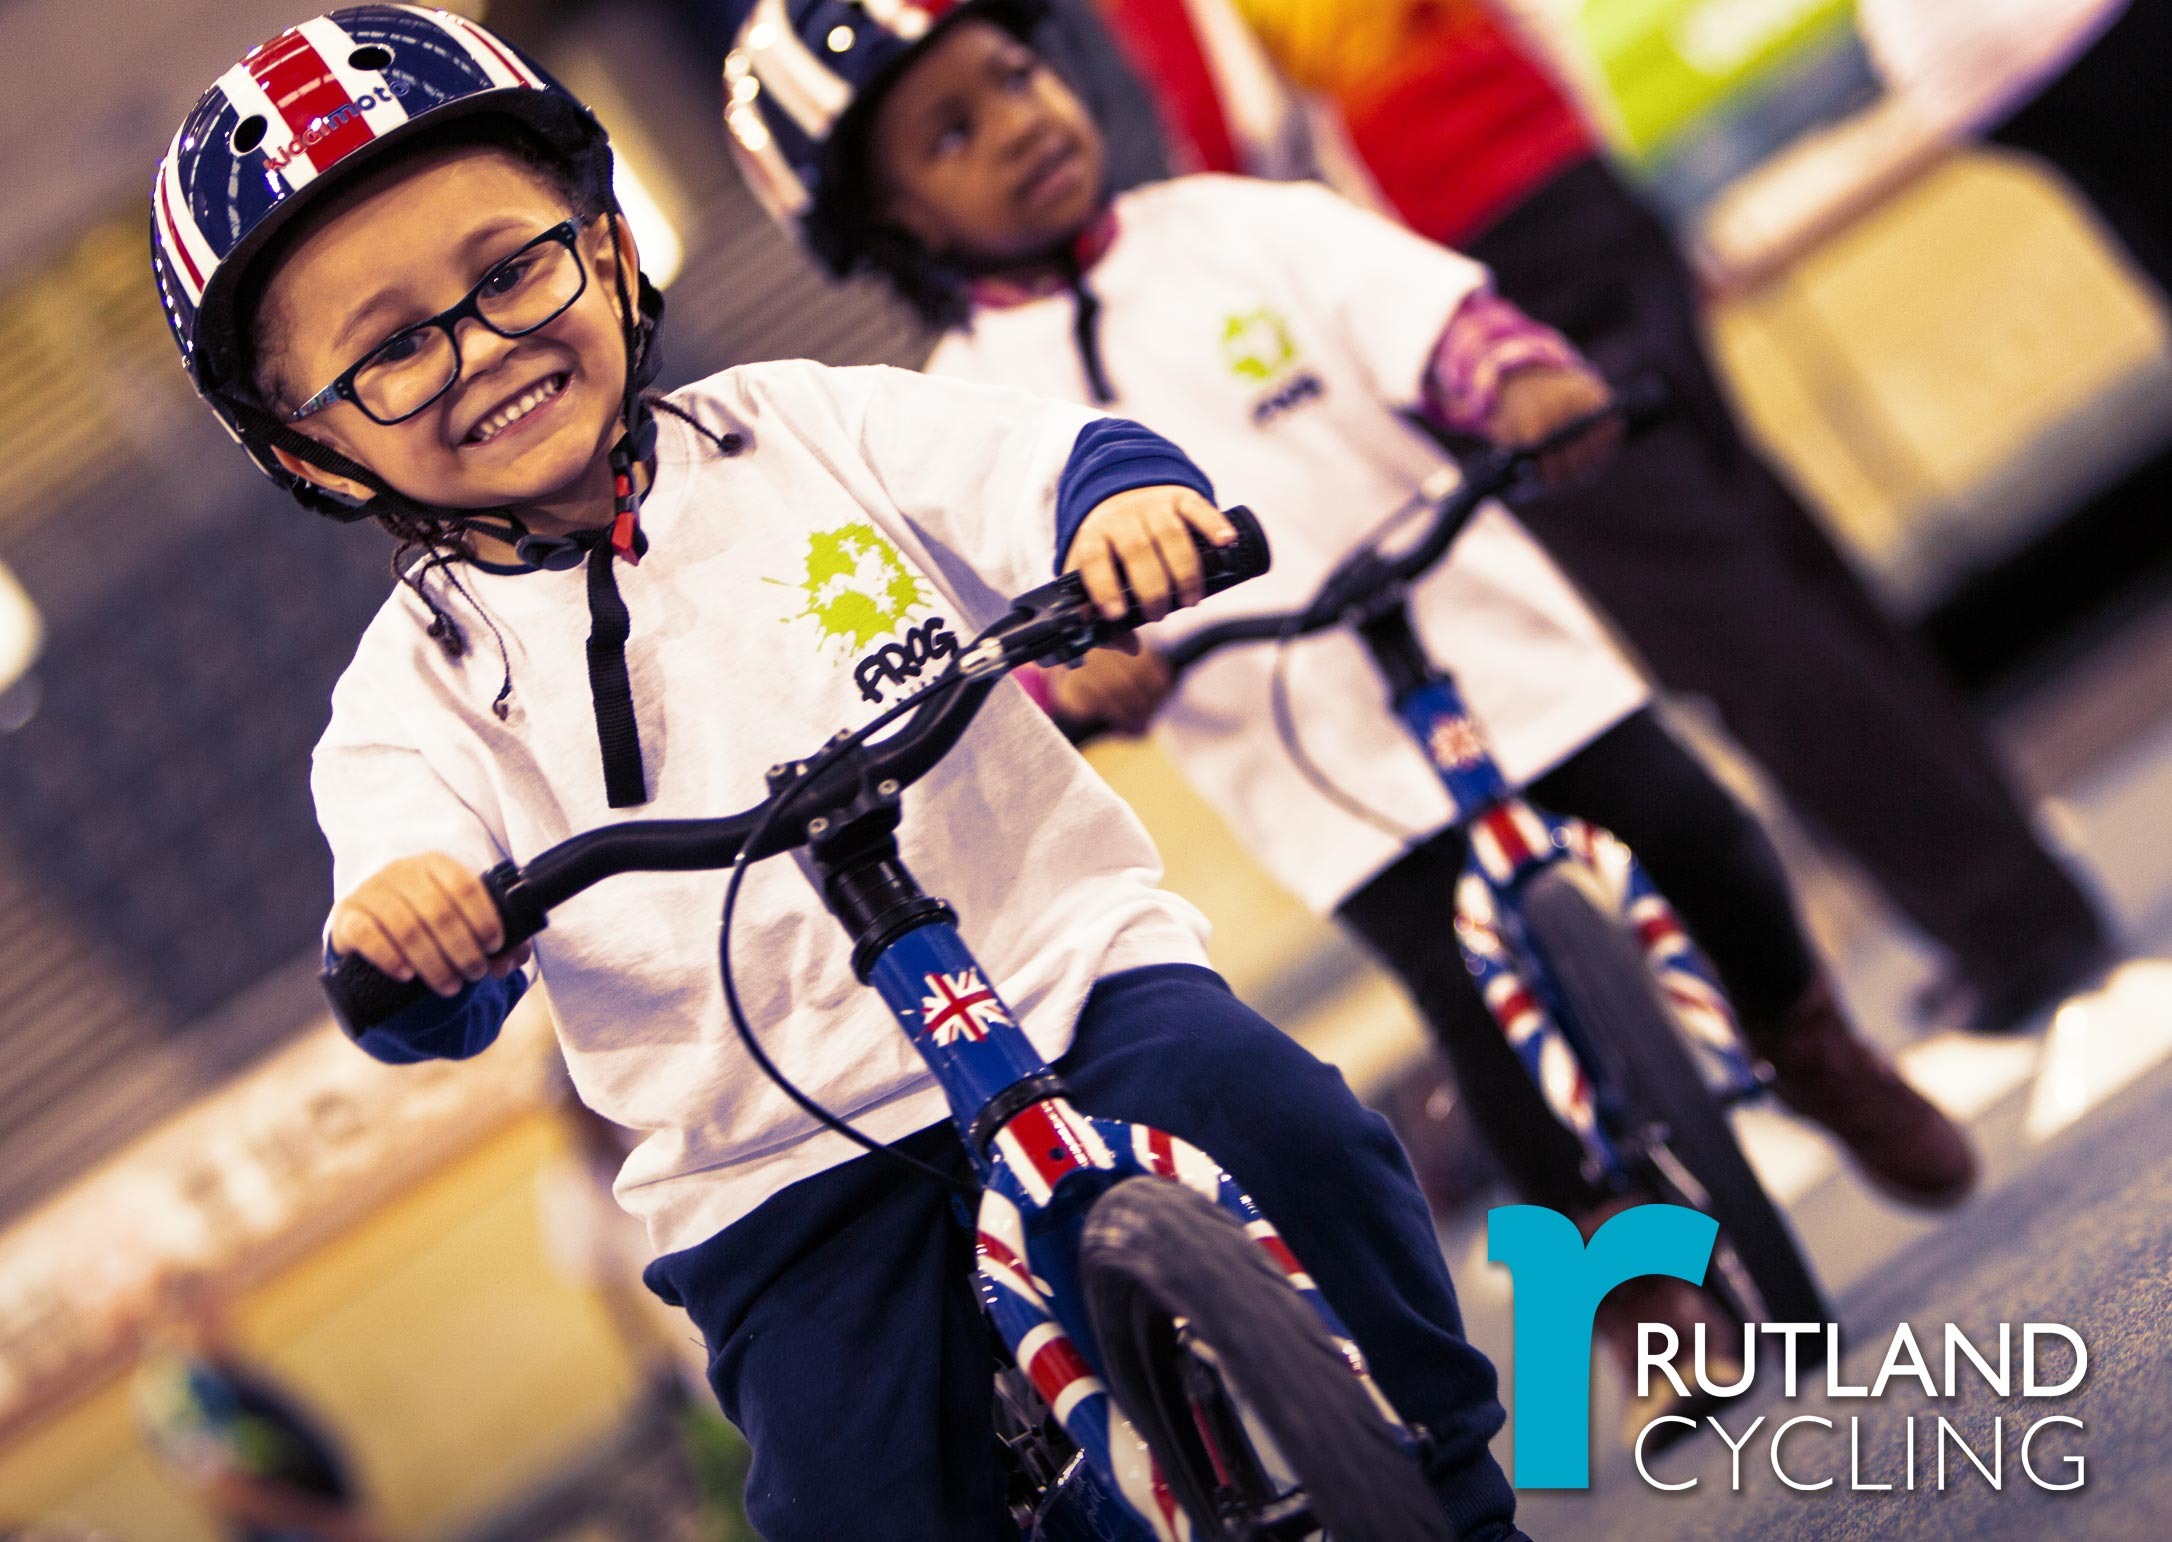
1510,841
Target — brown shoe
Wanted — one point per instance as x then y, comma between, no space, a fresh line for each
1826,1072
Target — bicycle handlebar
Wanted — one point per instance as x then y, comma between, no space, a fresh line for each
1051,624
1640,402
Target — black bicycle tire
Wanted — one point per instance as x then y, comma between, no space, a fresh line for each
1606,981
1153,1249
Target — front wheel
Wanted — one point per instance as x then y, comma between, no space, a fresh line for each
1675,1123
1206,1346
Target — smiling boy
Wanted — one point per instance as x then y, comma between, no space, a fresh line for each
434,317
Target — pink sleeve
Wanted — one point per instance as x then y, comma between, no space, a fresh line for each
1035,684
1484,341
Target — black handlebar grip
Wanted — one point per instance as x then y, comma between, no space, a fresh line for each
362,995
1246,557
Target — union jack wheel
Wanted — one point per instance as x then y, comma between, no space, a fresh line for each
1673,1132
1260,1425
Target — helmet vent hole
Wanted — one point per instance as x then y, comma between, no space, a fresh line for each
249,133
370,56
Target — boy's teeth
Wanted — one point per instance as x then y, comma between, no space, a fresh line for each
513,411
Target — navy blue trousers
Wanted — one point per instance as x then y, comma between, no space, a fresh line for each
846,1343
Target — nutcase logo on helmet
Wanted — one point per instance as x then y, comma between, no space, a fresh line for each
278,157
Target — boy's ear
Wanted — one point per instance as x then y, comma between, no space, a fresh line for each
318,476
612,257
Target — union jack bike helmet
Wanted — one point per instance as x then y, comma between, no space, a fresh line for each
305,113
796,72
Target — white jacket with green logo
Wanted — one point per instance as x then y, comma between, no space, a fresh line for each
788,591
1274,330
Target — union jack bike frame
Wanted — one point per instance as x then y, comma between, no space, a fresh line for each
1511,841
1040,1162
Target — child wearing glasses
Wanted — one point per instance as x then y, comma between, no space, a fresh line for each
388,248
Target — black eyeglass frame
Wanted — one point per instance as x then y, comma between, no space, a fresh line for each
566,234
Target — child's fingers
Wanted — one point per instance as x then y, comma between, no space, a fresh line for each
355,930
1096,566
436,901
422,945
1173,541
1144,569
511,959
1205,518
466,894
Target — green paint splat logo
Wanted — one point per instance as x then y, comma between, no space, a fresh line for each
858,586
1256,345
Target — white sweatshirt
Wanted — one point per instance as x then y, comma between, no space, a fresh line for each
1273,329
870,506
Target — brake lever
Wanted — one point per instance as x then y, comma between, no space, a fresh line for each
1053,625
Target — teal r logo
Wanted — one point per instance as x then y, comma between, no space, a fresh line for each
1559,1282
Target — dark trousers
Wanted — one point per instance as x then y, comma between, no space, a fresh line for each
1731,590
2105,123
845,1340
1706,854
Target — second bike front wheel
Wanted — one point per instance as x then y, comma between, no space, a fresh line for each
1204,1344
1607,986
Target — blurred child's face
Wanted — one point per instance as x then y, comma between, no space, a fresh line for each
409,245
980,152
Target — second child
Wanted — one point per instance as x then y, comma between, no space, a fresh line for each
1280,333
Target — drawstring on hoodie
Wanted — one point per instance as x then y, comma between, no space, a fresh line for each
618,733
1007,285
1086,331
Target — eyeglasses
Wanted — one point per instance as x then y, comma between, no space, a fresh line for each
414,367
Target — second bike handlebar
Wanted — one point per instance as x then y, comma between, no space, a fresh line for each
1640,402
1052,624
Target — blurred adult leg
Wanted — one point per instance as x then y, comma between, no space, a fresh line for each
1732,590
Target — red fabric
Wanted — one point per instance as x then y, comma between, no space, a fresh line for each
1159,41
302,86
1472,127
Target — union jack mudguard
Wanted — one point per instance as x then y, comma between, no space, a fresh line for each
1045,1165
1053,1163
1508,841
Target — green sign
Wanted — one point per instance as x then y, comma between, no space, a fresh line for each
1667,64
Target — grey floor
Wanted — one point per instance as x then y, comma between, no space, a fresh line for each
2072,1225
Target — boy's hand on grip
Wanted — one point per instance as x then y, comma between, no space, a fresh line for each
1538,399
1141,541
426,917
1119,689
